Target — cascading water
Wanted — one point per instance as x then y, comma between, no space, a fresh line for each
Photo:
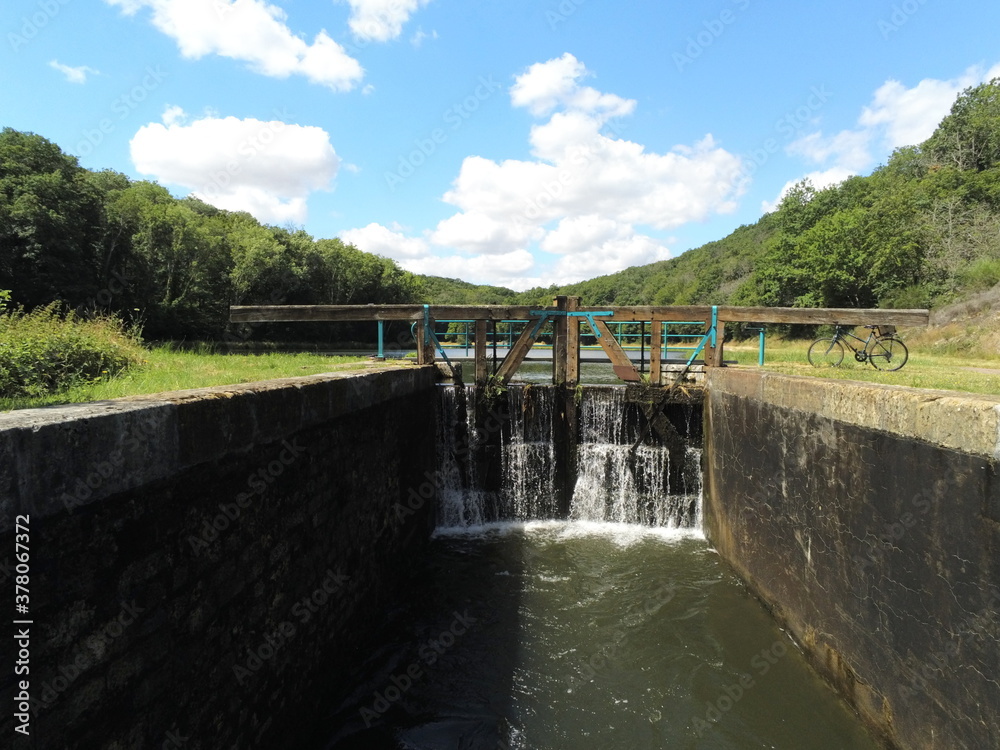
622,480
536,453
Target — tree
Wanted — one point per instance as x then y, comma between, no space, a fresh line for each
969,137
50,223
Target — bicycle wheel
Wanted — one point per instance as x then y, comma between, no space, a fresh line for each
826,353
888,354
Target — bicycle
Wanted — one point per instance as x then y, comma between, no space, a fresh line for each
883,350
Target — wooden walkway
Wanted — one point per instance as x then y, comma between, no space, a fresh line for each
567,317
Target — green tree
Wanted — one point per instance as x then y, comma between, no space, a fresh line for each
50,223
969,137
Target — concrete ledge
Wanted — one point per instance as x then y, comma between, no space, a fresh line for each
64,457
969,423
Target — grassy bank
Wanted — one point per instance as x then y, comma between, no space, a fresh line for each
973,372
168,369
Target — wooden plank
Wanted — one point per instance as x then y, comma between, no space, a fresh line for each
348,313
824,316
482,369
620,362
805,315
517,353
344,313
632,314
572,343
655,352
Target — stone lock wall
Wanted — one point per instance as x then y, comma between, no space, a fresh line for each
206,566
868,519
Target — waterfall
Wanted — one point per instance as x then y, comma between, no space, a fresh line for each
537,452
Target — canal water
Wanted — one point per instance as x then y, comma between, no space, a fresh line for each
618,628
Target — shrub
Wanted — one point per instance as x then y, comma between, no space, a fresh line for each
45,351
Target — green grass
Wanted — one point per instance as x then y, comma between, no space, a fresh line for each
168,369
923,369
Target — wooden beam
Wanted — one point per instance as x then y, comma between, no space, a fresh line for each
517,353
824,316
655,352
620,362
482,370
560,330
804,315
349,313
572,343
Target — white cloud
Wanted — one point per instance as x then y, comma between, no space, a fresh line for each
509,269
546,86
252,31
381,20
907,117
417,40
896,116
580,207
849,148
586,262
73,75
174,115
381,240
266,168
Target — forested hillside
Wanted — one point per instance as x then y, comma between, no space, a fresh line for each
101,242
923,230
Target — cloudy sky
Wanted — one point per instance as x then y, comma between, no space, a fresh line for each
512,142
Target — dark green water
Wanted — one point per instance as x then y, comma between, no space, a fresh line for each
551,635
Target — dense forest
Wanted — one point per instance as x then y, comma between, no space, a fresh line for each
920,231
100,242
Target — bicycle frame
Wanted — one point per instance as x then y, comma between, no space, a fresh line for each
840,334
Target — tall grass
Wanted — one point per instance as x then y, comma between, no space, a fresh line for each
46,351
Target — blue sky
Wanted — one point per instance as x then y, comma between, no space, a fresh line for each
517,143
